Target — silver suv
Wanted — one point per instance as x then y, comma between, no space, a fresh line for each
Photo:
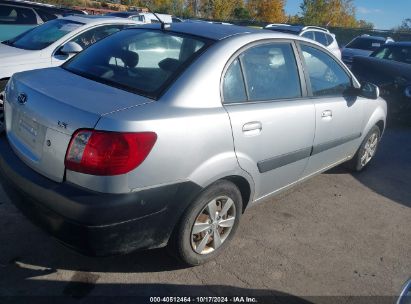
155,137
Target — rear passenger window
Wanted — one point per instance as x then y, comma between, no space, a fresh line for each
271,72
327,77
16,15
45,16
233,84
321,38
92,36
309,35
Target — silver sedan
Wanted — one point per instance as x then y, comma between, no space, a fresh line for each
163,136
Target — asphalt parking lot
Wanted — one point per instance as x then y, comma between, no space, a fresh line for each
337,234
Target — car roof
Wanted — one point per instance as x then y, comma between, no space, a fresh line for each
86,19
399,44
206,30
372,37
295,28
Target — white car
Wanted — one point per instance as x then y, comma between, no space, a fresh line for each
54,42
145,18
319,34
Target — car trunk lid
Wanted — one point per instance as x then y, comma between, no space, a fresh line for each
45,107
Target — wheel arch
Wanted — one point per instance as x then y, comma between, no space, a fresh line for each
243,186
377,118
381,125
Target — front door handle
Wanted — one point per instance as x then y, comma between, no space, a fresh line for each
252,128
327,114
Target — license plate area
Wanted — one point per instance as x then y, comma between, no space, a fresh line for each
29,132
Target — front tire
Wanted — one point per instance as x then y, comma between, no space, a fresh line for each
208,224
367,150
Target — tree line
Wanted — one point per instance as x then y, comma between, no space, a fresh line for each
335,13
330,13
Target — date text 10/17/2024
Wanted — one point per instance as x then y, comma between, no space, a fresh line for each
203,300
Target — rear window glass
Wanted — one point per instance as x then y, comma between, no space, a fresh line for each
321,38
309,35
367,44
330,39
140,60
43,35
45,16
16,15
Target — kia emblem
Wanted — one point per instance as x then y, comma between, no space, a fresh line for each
22,98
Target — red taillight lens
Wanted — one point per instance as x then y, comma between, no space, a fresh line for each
108,153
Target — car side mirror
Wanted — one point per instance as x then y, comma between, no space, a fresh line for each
369,90
405,296
71,48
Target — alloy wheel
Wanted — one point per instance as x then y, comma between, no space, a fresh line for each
369,149
213,225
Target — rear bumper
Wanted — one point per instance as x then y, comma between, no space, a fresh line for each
91,222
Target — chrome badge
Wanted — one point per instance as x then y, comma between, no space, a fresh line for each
62,124
22,98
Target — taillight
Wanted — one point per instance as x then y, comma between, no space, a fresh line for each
108,153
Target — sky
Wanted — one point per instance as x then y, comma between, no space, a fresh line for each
385,14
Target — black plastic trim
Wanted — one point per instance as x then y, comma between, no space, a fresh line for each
289,158
92,222
334,143
283,160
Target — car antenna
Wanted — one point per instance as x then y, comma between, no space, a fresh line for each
164,25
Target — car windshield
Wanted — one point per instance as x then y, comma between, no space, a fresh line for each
143,61
395,53
368,44
42,36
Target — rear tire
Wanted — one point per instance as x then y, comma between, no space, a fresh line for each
208,224
366,151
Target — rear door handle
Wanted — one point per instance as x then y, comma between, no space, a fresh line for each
327,114
252,128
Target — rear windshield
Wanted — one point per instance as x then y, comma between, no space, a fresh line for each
44,35
144,61
367,44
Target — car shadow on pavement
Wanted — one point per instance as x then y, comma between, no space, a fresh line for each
28,283
89,290
34,265
389,173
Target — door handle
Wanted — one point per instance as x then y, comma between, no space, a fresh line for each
327,114
252,128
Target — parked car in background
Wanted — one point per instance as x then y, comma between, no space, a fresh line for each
128,147
207,21
177,19
389,67
17,17
362,45
319,34
142,17
54,42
